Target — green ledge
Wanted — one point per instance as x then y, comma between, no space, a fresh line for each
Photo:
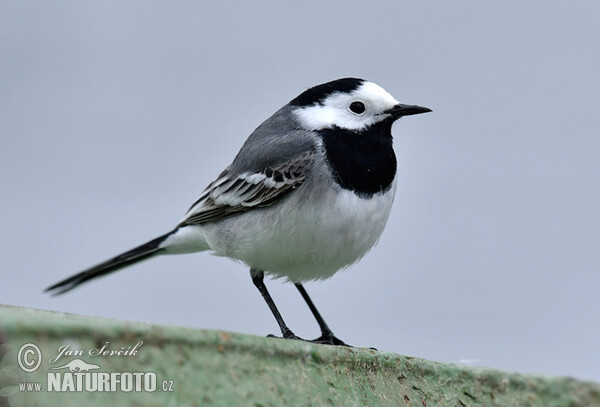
211,368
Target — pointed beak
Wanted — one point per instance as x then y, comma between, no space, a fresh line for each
406,110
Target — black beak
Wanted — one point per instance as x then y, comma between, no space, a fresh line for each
406,110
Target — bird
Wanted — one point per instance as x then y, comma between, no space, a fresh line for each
308,194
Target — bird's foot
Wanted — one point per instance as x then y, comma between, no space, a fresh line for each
328,338
287,334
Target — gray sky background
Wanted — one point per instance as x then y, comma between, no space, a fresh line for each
115,115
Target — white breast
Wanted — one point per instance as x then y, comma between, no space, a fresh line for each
304,237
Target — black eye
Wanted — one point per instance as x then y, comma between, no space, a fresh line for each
357,107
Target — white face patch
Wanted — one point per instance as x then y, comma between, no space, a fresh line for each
335,110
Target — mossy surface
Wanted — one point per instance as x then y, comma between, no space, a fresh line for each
211,368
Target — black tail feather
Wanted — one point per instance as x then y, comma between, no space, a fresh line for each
128,258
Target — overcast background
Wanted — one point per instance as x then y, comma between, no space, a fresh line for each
115,115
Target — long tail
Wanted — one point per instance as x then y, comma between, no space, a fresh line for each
128,258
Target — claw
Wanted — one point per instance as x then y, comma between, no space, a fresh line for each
330,339
290,335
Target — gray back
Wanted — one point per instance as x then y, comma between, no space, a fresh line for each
277,140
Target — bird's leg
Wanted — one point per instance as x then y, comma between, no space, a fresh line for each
258,280
327,337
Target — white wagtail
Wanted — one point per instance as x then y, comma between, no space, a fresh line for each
308,194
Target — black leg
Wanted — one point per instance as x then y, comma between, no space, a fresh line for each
257,279
327,336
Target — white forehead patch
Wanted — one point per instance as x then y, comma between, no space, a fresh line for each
335,110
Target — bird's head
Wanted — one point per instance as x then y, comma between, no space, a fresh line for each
350,104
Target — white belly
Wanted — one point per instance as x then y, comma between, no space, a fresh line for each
303,241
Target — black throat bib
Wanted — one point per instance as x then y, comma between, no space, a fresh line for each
363,162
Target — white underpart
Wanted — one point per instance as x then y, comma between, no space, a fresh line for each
313,241
186,240
335,110
303,240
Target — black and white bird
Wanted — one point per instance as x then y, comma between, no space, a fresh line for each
308,194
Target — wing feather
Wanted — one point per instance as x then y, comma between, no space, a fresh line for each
229,195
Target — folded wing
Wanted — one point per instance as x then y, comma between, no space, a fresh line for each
233,194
